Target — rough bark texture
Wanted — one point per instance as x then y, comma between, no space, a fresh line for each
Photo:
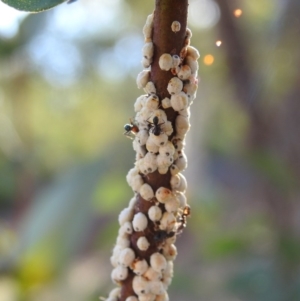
165,41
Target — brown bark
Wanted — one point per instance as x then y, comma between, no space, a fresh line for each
165,41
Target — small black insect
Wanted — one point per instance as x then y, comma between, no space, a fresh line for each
155,126
160,235
130,129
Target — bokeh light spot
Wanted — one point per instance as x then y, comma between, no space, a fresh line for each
208,59
218,43
237,12
203,13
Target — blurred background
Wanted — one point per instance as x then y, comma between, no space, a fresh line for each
67,87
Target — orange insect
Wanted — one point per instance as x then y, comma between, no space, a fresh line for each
131,129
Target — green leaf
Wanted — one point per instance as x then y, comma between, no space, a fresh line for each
33,6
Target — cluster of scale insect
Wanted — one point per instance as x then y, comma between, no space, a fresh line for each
156,150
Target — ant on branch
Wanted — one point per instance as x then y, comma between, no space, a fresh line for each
161,235
185,213
154,126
